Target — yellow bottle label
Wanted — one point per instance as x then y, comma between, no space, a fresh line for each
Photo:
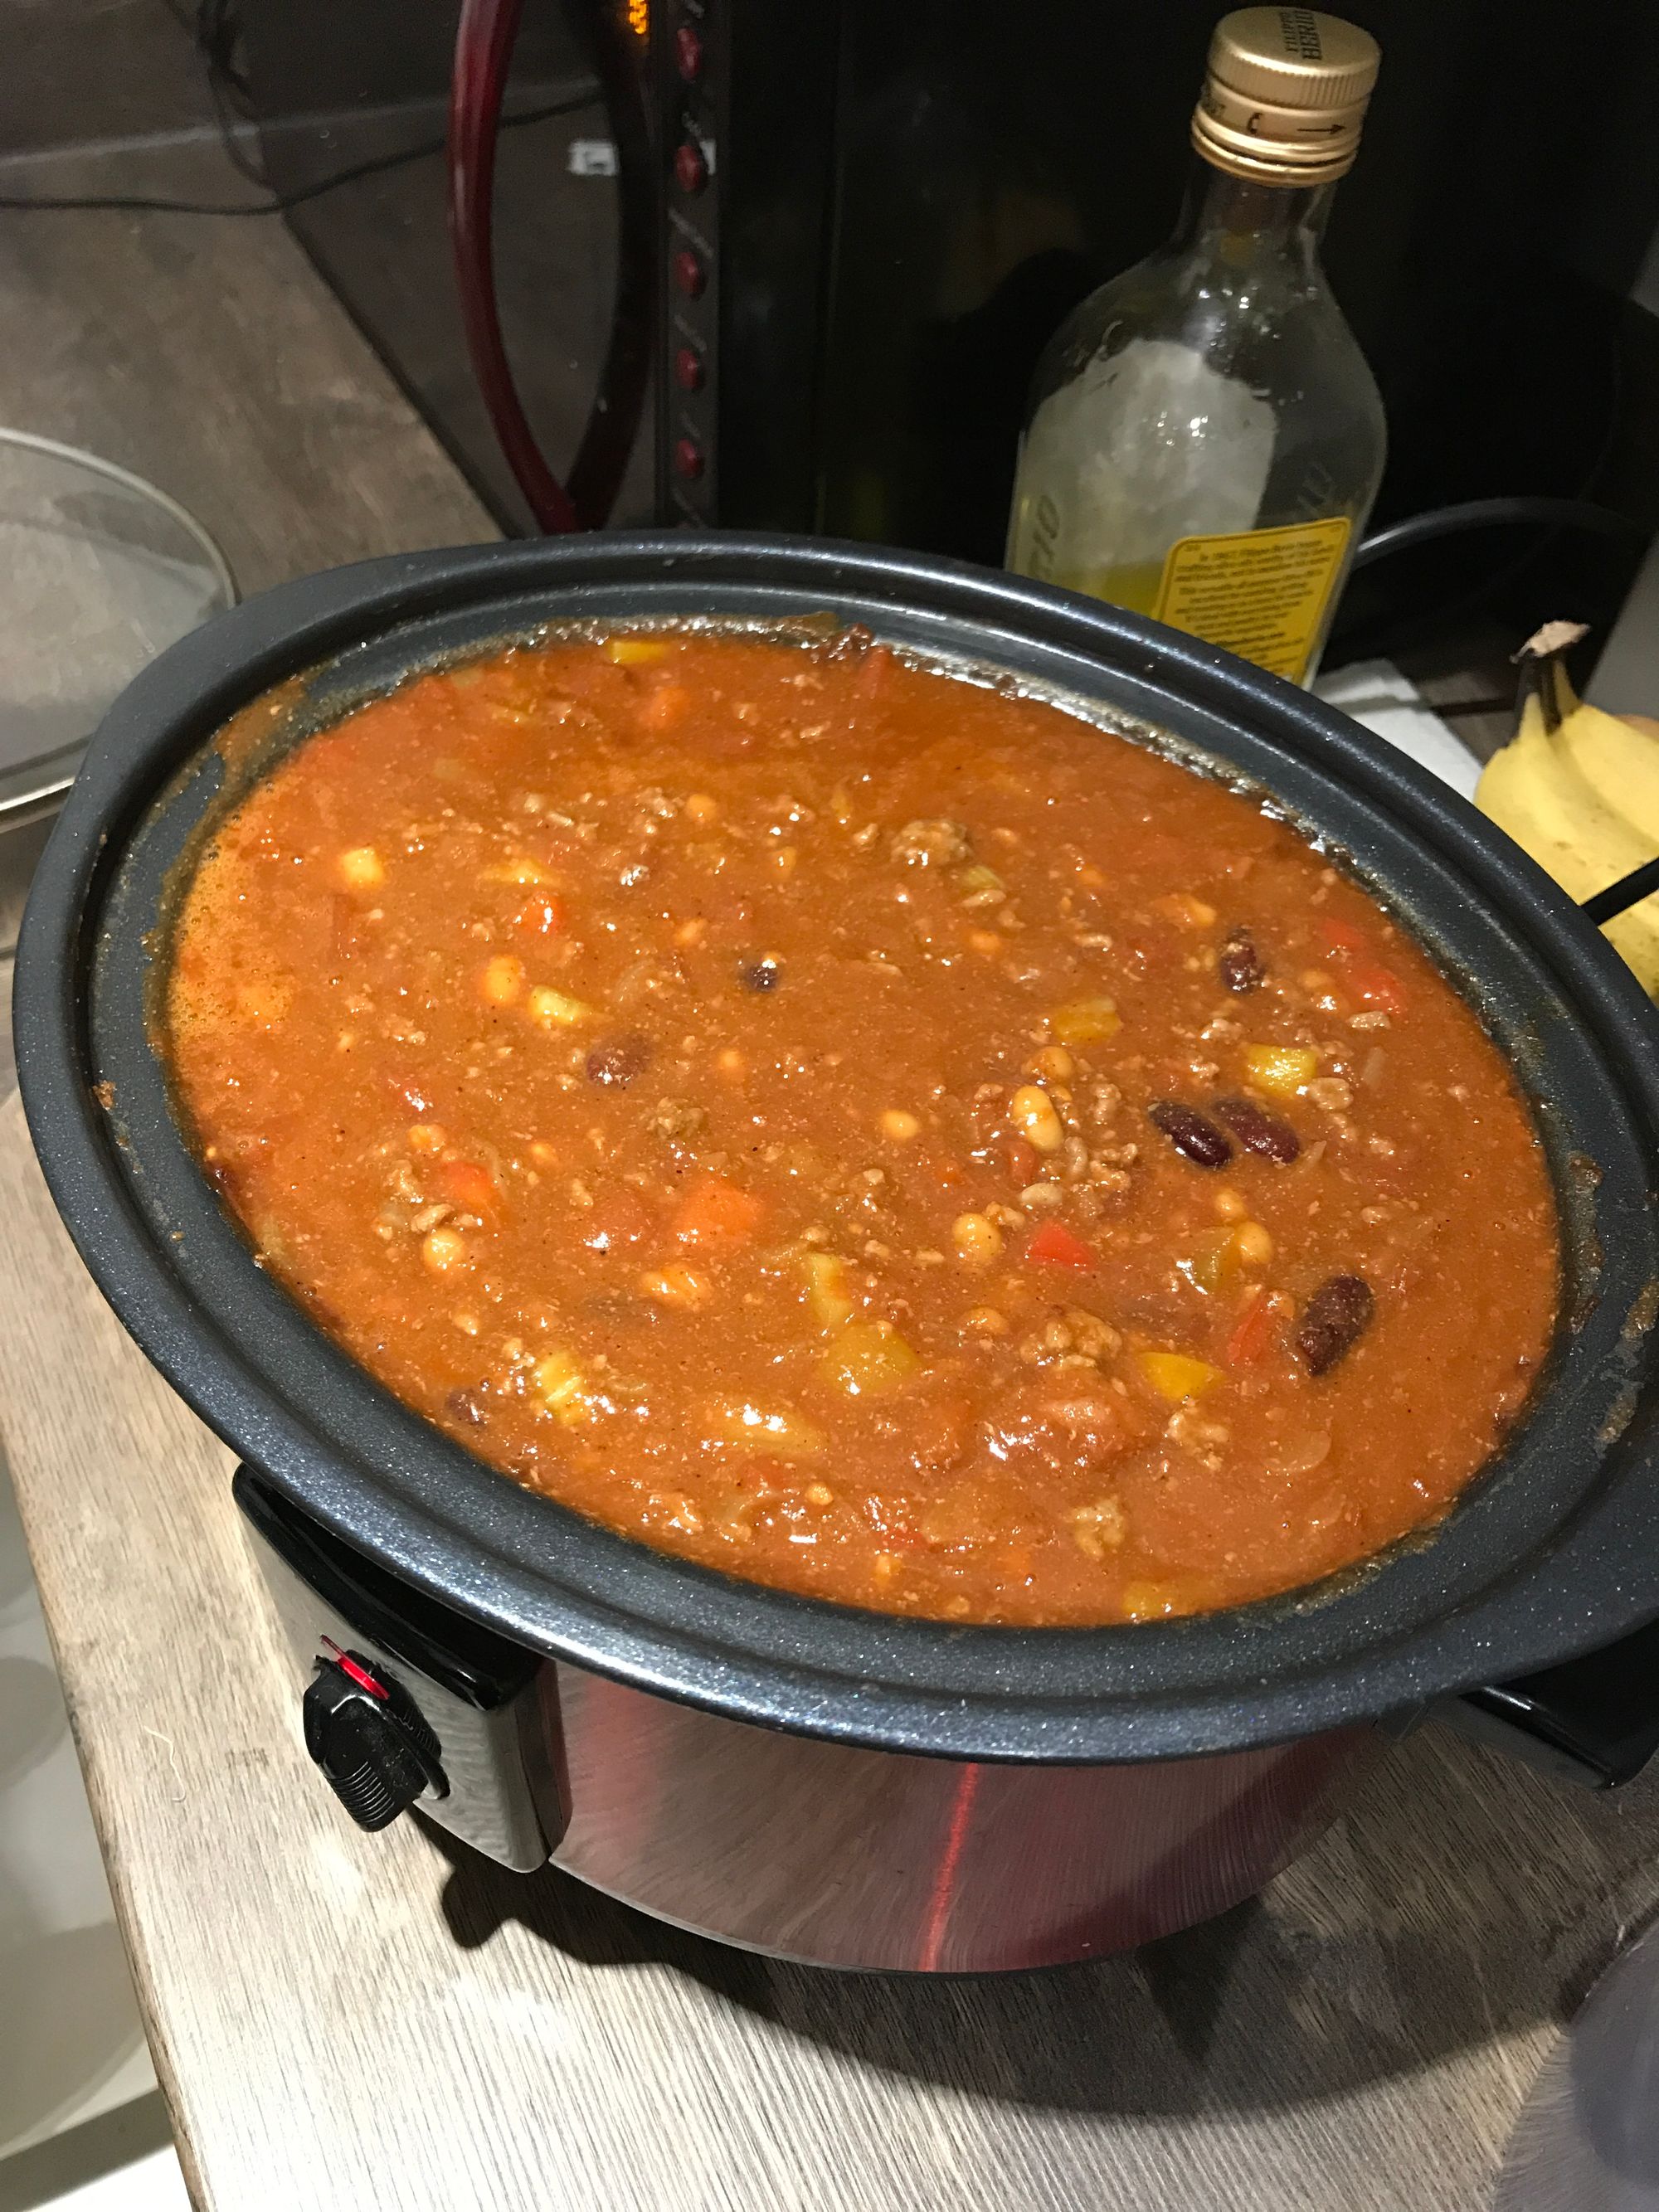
1261,594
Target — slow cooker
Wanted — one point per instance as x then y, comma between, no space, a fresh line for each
815,1780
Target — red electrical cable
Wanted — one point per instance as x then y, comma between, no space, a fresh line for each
484,51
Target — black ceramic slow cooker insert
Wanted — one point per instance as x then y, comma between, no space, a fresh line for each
811,1778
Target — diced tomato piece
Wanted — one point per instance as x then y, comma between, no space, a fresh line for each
541,916
943,1176
471,1188
1370,981
617,1222
714,1212
1342,936
1055,1246
1378,987
1252,1333
663,707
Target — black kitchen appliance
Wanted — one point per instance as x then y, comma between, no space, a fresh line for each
843,1786
838,235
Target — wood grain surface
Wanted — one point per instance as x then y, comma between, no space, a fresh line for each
350,2023
206,353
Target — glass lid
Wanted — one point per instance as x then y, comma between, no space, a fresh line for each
99,572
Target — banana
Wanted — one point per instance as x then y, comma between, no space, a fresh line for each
1579,790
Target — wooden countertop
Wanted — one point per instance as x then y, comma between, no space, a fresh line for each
349,2023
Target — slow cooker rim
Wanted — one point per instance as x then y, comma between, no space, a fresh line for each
156,1309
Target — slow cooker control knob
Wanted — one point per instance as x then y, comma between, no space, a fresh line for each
362,1727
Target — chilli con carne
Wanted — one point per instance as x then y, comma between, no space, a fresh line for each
872,1134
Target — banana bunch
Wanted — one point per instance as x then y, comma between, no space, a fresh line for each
1579,790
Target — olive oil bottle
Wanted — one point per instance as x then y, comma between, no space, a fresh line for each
1205,439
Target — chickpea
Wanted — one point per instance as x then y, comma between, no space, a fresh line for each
428,1137
503,980
442,1250
362,868
1054,1064
1229,1206
702,809
985,1320
1253,1244
976,1237
1035,1117
900,1125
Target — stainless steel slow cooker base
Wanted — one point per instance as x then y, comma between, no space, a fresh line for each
824,1853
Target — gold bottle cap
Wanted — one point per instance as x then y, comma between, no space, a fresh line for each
1285,96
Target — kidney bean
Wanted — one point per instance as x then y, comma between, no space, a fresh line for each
1260,1132
1194,1135
619,1061
1335,1318
1240,964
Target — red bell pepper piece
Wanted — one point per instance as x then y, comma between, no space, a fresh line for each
1342,936
1055,1246
1378,987
540,916
471,1188
1252,1333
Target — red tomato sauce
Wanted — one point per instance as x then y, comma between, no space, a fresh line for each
871,1134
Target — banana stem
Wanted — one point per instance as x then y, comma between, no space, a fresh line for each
1542,663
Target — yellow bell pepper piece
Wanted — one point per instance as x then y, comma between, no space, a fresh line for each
556,1010
1176,1374
562,1387
829,1291
867,1358
1282,1069
1084,1021
1213,1261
